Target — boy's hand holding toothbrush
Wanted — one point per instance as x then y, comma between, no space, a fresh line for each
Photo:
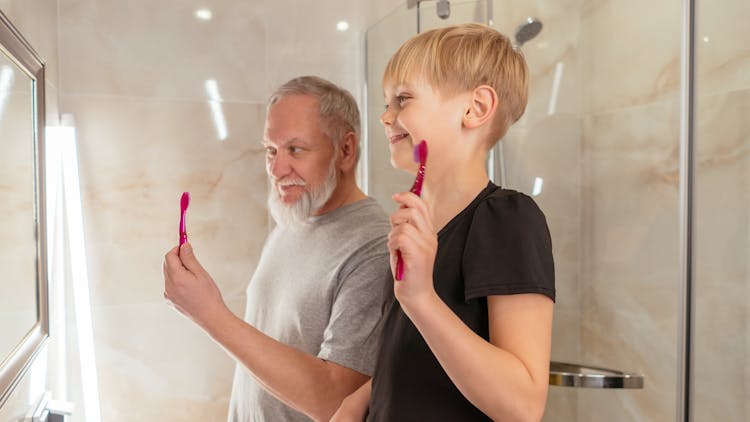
412,241
413,235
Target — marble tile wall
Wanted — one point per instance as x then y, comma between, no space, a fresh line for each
722,346
630,178
36,20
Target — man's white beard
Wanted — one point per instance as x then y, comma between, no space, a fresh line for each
311,200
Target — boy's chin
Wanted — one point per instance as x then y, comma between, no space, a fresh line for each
404,164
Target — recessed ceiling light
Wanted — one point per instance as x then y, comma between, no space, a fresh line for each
203,14
342,26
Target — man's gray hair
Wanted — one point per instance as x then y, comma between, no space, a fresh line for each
337,108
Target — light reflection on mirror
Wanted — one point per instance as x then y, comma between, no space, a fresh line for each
6,80
18,248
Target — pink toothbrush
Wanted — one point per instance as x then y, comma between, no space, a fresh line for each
420,156
184,202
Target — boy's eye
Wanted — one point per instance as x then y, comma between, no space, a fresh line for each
401,99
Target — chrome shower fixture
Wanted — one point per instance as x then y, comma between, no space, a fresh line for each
443,9
528,30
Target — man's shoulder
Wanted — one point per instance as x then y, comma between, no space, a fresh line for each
365,214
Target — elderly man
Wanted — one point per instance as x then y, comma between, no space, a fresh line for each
309,336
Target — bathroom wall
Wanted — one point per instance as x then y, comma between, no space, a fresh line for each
722,207
37,21
133,76
630,174
630,267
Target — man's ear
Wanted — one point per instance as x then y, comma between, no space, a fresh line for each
348,152
482,107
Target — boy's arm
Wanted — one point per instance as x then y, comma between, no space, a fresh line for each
354,407
507,378
307,383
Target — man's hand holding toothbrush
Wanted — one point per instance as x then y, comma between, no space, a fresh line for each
191,289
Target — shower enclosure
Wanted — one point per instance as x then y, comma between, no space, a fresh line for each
636,144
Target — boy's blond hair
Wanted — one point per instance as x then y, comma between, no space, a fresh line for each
460,58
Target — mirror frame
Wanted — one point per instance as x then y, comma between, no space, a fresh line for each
19,361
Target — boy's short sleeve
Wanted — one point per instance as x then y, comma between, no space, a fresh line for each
508,249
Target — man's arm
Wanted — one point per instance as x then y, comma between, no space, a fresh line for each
354,408
311,385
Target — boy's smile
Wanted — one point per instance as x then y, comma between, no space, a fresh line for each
416,111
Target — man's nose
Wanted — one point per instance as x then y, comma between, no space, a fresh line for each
278,165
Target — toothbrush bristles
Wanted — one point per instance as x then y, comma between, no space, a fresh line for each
420,152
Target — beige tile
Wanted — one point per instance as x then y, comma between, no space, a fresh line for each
631,57
154,364
137,48
630,279
375,11
562,404
302,39
51,109
722,59
136,157
722,275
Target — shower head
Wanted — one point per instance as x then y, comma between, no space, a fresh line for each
528,30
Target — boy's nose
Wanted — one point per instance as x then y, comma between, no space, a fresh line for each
387,117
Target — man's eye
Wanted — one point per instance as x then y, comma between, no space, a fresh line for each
295,150
270,151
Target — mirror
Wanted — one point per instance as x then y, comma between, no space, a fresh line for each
23,271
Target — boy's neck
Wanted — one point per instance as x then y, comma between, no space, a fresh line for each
447,193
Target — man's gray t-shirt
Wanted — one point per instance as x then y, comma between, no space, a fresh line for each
319,288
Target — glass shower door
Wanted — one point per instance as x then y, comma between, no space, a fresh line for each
598,150
382,40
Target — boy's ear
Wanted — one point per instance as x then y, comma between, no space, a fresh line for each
348,152
482,107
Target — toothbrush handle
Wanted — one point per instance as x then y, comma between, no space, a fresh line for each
399,266
416,189
183,232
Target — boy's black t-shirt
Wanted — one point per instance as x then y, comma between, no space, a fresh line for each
498,245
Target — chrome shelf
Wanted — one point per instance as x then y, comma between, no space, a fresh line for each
574,375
